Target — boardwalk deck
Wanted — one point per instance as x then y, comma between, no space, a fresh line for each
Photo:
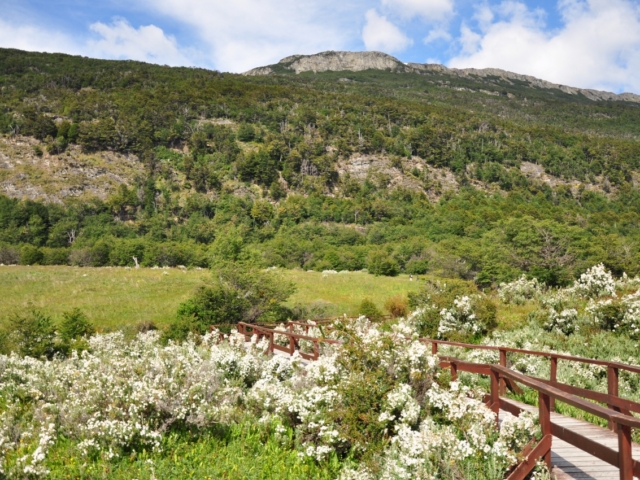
570,462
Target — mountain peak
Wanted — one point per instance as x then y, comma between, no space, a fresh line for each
332,61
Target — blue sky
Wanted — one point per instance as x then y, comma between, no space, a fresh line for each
584,43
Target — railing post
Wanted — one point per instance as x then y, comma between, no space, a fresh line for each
454,371
292,345
271,343
316,350
544,406
554,378
612,390
503,362
434,348
495,395
625,459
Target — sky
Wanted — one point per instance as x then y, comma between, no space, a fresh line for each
581,43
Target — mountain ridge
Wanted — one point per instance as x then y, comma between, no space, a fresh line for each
359,61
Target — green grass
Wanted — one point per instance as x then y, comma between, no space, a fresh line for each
345,291
116,297
240,452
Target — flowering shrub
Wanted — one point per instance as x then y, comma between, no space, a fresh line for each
459,317
595,282
377,389
565,322
519,291
627,283
619,315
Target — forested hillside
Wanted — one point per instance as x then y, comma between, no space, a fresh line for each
480,178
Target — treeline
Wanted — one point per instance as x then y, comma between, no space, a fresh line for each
474,235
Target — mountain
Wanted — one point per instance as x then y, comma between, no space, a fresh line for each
338,161
359,61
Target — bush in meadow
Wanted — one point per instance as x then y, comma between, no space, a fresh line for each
520,290
597,281
235,294
369,310
564,322
397,306
32,334
75,325
30,255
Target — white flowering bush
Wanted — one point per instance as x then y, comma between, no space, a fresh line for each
564,322
375,392
520,290
460,317
618,315
595,282
627,283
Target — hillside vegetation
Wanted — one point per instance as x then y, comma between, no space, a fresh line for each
471,177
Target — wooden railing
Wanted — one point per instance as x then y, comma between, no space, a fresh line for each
248,330
611,398
617,412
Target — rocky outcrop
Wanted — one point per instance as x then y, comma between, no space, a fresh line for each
335,62
358,61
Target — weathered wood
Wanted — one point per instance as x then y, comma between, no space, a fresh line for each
591,361
525,467
621,404
572,400
575,462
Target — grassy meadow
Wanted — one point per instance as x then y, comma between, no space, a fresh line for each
116,297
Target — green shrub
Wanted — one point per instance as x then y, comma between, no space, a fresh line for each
369,310
75,325
30,255
124,250
417,266
237,294
277,314
397,306
211,305
32,334
486,311
99,253
9,255
55,256
246,132
380,263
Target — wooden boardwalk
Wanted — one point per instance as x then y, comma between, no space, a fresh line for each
570,462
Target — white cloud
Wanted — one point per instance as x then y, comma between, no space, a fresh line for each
36,39
146,43
598,45
439,33
427,9
380,34
242,34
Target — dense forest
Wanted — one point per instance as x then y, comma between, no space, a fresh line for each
249,168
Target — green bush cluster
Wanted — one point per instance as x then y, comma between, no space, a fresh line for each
236,293
33,333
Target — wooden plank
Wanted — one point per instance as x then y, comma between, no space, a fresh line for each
572,462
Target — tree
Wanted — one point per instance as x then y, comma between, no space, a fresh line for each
236,293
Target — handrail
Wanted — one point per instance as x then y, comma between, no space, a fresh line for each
613,368
559,356
568,398
294,340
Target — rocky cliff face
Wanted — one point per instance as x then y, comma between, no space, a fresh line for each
359,61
